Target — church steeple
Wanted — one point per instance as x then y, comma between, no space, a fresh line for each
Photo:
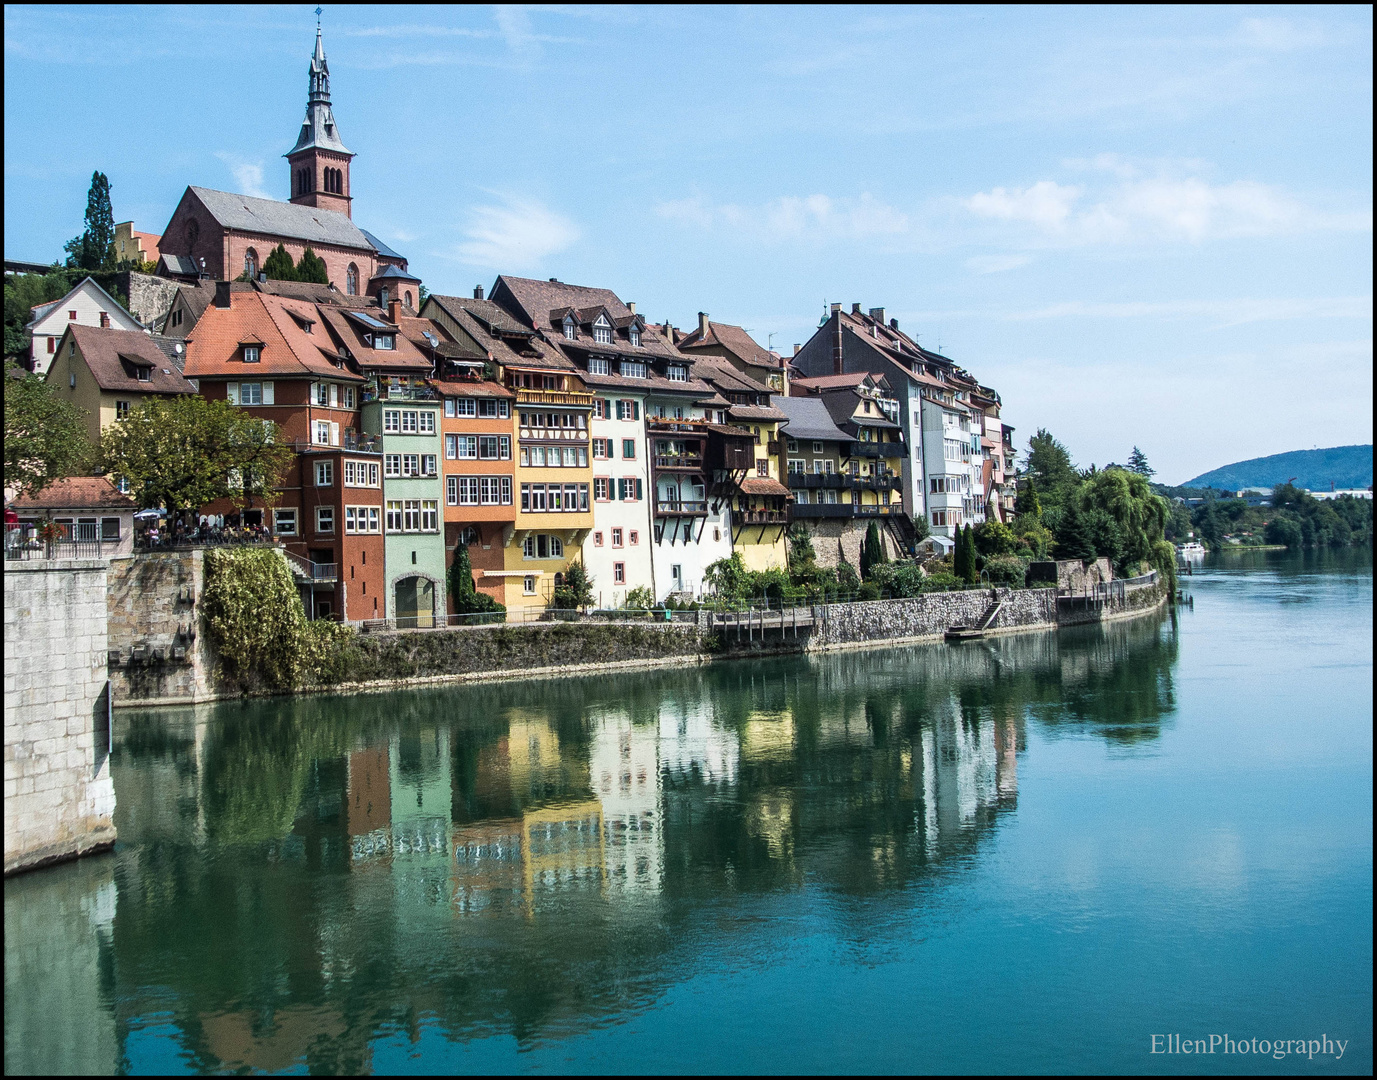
319,160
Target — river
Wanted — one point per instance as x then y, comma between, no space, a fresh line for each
1029,853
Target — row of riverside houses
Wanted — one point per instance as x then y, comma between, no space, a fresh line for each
541,425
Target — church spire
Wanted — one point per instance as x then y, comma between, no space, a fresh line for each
319,129
319,160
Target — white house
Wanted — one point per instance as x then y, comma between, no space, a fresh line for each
86,305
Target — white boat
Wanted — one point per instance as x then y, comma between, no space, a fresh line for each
1193,550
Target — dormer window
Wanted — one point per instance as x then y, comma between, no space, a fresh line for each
677,373
252,353
384,341
635,334
143,373
633,369
598,365
570,330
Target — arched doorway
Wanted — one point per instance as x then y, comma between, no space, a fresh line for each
414,603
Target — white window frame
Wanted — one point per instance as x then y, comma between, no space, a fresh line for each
392,421
282,515
325,520
325,474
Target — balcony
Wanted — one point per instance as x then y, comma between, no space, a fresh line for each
692,462
400,393
571,398
878,450
680,508
772,448
760,517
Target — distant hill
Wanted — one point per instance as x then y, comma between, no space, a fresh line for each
1339,466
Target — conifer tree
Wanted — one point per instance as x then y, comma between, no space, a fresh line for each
94,249
1138,462
279,266
1074,540
311,268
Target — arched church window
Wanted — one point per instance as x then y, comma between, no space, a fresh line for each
408,300
382,297
250,264
193,233
351,280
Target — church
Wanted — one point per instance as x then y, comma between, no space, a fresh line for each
221,235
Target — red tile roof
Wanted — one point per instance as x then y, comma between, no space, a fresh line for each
288,350
106,351
763,485
76,493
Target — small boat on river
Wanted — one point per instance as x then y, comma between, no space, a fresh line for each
1193,550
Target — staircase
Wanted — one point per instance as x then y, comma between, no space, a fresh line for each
984,623
991,614
902,532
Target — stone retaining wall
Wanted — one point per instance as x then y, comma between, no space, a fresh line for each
59,797
930,615
152,608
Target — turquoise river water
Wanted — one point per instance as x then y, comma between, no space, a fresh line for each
1030,853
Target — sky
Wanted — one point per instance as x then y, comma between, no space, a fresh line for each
1141,226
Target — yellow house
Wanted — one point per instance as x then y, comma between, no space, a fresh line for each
107,373
760,511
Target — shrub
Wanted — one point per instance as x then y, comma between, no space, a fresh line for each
576,591
942,582
994,538
868,591
1008,571
255,619
639,597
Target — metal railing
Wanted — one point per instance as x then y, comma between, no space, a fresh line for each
319,573
30,548
681,506
679,461
229,535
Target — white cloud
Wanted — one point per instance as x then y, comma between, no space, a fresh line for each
1280,35
516,235
1156,208
248,175
997,264
1046,204
793,217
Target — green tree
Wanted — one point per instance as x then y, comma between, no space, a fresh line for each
1138,463
278,266
848,581
23,293
728,578
463,593
994,538
311,267
94,249
186,451
872,550
1073,537
1026,502
45,438
1139,515
921,529
972,565
1049,462
576,592
1284,528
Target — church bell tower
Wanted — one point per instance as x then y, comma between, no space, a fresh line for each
319,161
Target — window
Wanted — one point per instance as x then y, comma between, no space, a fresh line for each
762,466
495,490
428,465
351,280
465,446
600,486
394,515
322,436
939,518
252,354
791,445
597,539
361,519
633,369
250,393
411,515
495,447
121,410
284,522
634,537
797,465
322,393
677,373
392,421
452,490
410,422
619,573
570,330
817,447
629,410
427,423
71,315
411,465
430,516
628,448
616,538
597,365
602,333
635,335
392,465
528,584
325,519
383,341
599,409
600,449
325,474
629,489
348,397
52,344
801,496
462,407
251,264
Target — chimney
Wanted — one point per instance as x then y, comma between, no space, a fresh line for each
222,294
105,320
836,308
856,308
878,314
394,310
797,347
838,351
263,277
894,324
554,281
631,306
478,292
702,324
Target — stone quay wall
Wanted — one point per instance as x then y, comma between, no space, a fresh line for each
156,653
59,795
930,615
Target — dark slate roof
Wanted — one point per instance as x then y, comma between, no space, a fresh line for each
179,264
393,273
494,329
735,340
273,218
545,303
809,419
381,248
